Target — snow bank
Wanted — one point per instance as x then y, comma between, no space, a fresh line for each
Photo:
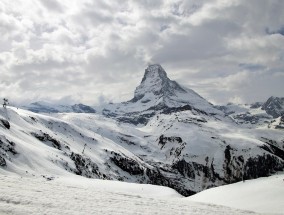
264,195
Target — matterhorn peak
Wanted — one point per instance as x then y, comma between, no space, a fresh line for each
156,84
157,93
155,71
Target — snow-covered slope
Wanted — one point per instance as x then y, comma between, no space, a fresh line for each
76,195
184,150
264,195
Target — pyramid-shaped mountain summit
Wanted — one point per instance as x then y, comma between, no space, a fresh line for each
157,93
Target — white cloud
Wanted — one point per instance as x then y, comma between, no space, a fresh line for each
94,51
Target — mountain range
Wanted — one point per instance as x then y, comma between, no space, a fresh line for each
166,135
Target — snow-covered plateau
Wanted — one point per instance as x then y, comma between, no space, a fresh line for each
166,135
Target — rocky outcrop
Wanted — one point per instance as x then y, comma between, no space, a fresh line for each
262,166
86,167
2,161
274,106
127,164
46,138
5,123
7,150
157,178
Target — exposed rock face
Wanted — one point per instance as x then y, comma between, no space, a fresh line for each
2,161
274,106
262,166
127,164
7,150
5,123
86,167
46,138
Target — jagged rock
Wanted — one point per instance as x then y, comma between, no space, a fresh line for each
5,123
262,166
7,146
163,140
44,137
2,161
86,167
274,106
127,164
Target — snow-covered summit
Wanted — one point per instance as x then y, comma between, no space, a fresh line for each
156,81
158,88
157,93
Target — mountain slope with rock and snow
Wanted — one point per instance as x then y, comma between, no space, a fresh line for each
183,141
268,114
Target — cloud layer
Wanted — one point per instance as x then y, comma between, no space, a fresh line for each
95,51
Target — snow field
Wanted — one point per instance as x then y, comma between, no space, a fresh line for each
77,195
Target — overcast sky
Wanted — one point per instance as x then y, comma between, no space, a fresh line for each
95,51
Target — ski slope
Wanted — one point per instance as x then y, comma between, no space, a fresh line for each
263,195
78,195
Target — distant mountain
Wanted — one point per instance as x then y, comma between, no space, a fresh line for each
45,107
269,113
158,94
274,106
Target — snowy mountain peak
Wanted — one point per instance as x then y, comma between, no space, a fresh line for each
158,94
155,71
156,85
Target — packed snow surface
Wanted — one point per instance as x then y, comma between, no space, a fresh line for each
264,195
78,195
